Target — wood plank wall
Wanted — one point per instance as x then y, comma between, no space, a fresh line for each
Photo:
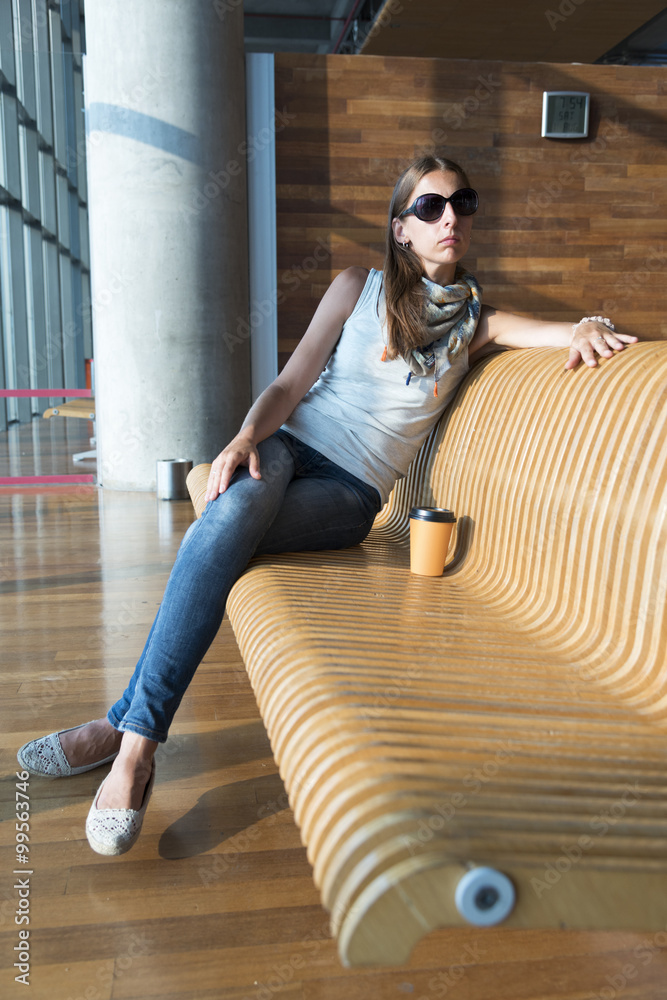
565,228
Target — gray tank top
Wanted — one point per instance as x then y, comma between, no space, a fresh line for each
360,413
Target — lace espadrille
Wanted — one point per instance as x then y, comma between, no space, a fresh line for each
114,831
46,757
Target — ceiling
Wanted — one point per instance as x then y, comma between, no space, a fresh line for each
612,31
296,26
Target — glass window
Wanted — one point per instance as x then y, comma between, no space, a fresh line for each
45,331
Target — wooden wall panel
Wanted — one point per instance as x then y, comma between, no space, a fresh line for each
565,228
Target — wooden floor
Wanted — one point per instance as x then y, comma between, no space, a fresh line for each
216,900
45,448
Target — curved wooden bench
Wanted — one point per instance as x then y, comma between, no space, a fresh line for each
510,714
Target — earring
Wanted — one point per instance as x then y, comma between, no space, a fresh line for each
405,244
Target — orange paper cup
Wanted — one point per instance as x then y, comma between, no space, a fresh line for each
430,532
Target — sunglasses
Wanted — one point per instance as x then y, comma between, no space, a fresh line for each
429,207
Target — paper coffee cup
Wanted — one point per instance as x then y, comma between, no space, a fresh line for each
430,532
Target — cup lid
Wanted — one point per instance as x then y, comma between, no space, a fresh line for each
433,514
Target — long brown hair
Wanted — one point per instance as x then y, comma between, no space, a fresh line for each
403,269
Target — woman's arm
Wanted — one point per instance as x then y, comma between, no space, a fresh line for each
302,370
505,329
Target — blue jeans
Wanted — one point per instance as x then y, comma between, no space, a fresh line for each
302,502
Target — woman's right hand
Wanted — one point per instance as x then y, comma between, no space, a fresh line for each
302,370
240,451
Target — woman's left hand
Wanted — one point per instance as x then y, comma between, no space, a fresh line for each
593,338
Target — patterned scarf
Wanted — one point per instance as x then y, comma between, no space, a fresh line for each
451,315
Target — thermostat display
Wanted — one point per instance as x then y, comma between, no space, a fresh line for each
565,114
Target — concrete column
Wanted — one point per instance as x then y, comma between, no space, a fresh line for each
165,115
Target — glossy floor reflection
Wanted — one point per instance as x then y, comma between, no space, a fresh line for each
45,447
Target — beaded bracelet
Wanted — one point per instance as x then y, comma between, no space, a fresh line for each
593,319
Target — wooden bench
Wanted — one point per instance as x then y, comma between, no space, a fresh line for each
511,714
83,409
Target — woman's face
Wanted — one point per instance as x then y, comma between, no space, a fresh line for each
442,243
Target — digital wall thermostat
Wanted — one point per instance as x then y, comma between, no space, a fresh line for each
565,114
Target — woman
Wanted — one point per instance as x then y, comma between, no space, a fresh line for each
314,461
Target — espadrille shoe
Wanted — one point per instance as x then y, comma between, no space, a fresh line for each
114,831
46,757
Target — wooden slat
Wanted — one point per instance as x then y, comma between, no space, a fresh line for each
524,693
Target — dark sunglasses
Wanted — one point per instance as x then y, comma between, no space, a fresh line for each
429,207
